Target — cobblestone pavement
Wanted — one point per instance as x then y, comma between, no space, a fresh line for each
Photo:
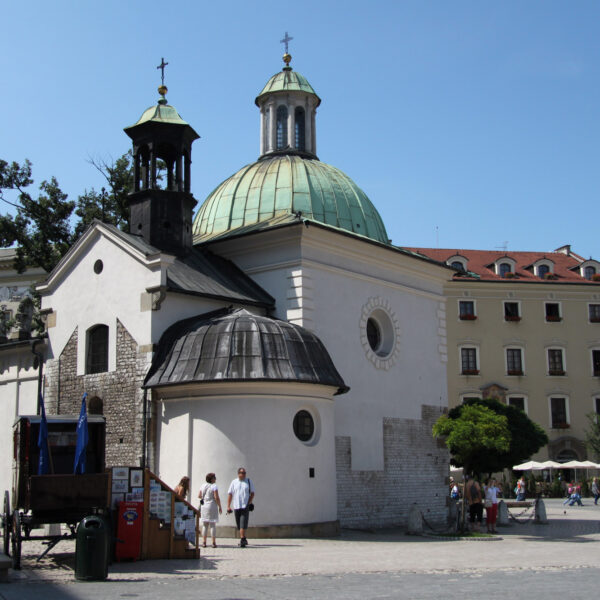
565,545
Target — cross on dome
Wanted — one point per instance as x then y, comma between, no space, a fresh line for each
162,66
286,41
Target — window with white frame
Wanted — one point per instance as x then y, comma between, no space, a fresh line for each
468,360
596,363
594,313
466,310
552,312
518,402
542,271
504,268
512,311
556,365
589,272
514,361
559,412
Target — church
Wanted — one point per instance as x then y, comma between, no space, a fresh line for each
278,329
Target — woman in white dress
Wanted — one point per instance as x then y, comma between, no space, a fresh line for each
210,508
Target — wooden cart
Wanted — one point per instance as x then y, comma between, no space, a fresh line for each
59,497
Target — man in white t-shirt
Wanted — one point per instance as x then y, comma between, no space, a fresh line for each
241,493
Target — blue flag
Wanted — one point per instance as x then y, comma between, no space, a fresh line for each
44,461
82,439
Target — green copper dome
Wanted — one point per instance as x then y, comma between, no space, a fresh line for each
285,185
287,80
161,113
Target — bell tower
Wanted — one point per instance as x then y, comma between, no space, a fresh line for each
161,203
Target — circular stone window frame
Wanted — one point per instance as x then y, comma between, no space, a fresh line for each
316,417
380,310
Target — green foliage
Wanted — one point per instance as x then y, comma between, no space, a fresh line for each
556,490
472,432
592,435
112,205
526,437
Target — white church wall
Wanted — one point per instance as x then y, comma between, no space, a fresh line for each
83,298
255,429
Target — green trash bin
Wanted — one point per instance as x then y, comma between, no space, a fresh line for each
91,549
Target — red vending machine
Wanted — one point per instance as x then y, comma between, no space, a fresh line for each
129,530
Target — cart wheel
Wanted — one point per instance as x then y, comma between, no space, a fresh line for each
16,540
6,523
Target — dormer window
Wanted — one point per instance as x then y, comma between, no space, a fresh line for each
457,265
543,270
589,272
457,262
504,268
589,269
282,118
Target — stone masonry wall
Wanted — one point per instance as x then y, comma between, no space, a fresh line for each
120,391
415,470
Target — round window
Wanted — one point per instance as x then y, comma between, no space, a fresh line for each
373,334
304,425
98,266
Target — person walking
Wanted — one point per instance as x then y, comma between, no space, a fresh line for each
521,488
241,494
595,490
491,505
210,508
473,496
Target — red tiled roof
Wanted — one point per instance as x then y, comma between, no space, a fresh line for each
481,262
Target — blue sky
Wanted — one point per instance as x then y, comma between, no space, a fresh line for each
476,118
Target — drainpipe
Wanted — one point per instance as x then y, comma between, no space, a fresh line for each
144,429
40,359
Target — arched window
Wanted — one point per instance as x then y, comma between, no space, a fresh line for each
503,269
97,350
95,406
589,272
457,265
543,270
282,117
300,130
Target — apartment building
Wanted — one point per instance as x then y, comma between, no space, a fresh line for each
525,327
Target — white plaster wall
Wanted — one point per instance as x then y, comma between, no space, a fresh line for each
18,396
83,299
226,432
335,276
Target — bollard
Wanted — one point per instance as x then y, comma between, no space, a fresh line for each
502,513
415,521
540,512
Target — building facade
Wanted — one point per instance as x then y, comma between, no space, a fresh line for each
525,327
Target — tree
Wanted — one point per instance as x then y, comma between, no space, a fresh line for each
41,226
112,205
472,432
526,437
592,435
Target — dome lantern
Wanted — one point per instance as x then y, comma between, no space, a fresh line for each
288,106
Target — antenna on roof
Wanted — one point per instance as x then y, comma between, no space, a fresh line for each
437,236
504,246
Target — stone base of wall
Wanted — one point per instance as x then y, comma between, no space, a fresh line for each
415,471
118,392
302,530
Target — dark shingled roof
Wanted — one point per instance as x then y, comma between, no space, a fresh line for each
236,345
204,274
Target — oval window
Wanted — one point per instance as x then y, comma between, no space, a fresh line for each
304,425
373,334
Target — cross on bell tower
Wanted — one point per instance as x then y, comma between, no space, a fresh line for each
161,203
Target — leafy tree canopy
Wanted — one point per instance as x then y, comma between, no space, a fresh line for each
526,437
471,433
592,435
